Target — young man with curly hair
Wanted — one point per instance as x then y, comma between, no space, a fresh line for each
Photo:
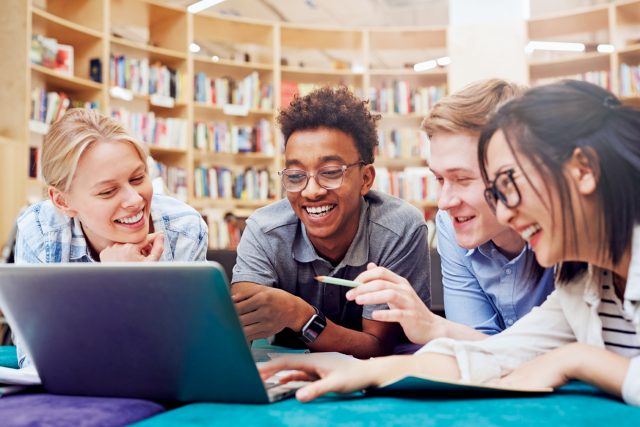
331,224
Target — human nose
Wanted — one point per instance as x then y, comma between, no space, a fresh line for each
313,189
448,197
132,197
504,214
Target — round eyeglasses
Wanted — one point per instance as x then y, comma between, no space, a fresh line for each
327,177
504,189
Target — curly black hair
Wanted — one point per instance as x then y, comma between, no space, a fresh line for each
334,109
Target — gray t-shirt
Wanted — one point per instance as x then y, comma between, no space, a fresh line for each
276,251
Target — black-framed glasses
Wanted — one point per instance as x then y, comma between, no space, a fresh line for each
327,177
504,189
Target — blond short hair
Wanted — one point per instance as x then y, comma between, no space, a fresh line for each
469,109
70,137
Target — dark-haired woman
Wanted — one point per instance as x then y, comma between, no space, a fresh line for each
562,164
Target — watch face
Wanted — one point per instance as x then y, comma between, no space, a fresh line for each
313,328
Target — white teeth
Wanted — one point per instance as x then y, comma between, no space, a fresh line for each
131,219
530,231
319,210
463,218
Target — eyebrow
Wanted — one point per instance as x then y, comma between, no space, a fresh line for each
453,170
110,181
323,159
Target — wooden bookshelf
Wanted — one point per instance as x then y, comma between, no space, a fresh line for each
156,32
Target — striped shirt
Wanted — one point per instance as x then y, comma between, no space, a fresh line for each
618,332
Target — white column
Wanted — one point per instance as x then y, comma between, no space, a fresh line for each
486,38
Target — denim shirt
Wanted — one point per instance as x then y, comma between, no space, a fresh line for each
45,235
483,289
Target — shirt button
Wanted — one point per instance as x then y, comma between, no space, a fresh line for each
509,322
508,271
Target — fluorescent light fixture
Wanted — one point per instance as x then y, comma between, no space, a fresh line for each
202,5
215,58
357,69
445,60
194,48
425,65
606,48
559,46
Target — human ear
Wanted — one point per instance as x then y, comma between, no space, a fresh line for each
368,176
59,200
583,171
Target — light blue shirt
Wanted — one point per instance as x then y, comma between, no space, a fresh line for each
482,287
45,235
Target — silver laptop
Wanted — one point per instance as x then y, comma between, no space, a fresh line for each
160,331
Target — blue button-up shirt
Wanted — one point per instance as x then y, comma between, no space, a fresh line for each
482,287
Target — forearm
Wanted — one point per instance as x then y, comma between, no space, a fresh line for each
359,344
458,331
431,365
586,364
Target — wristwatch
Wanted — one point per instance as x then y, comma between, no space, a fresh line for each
314,327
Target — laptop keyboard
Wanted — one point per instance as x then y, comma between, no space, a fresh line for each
277,391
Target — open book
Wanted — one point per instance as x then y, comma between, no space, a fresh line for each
441,387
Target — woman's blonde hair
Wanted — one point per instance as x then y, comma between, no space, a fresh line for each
69,137
469,109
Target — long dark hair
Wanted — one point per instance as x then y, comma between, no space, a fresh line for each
547,124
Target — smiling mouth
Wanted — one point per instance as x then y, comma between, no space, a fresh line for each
131,219
462,219
531,230
319,211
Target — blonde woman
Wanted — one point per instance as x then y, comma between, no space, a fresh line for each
101,206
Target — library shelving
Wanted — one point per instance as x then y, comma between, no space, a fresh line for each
610,34
203,91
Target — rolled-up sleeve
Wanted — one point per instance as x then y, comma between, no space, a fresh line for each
540,331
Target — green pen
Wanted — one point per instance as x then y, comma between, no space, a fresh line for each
336,281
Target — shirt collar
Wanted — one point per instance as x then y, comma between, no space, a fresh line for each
357,254
77,252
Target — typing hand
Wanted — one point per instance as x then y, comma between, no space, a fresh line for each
150,249
265,311
329,373
381,286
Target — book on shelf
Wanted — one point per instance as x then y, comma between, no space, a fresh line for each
48,107
156,131
34,162
173,178
411,184
408,143
600,78
219,182
248,92
225,229
43,50
143,78
399,98
64,60
225,137
629,80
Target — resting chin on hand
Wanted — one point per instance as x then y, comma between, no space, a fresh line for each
150,249
265,311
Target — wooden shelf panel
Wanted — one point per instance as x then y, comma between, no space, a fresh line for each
298,37
232,158
630,54
221,63
633,101
66,82
401,117
210,109
232,30
63,28
159,150
319,72
154,53
399,163
571,65
204,203
400,38
584,20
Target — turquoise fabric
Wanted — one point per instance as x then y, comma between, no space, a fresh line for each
575,404
8,357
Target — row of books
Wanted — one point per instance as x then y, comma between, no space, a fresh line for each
400,98
156,131
600,78
174,178
223,183
143,78
248,92
629,80
412,183
223,137
289,89
48,107
224,229
46,51
403,143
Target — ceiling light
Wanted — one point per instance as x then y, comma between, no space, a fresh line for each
559,46
425,65
202,5
215,58
606,48
445,60
194,48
